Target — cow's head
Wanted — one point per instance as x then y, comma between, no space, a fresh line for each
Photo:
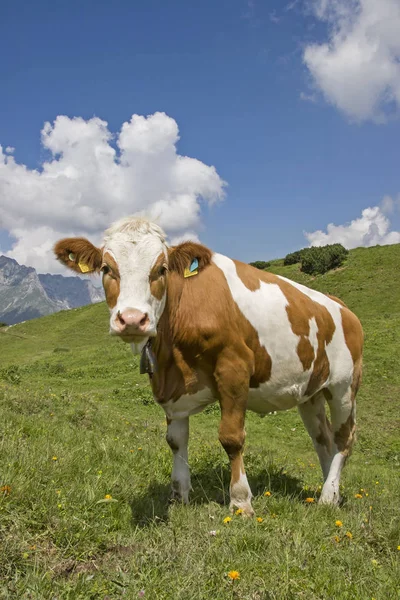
134,262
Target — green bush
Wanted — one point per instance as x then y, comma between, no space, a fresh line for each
293,257
260,264
320,259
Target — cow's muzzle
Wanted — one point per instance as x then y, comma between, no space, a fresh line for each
131,323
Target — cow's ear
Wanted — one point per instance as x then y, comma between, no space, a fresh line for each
79,255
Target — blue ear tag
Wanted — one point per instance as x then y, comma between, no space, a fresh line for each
194,265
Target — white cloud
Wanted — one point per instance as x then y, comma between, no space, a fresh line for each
358,68
87,184
372,228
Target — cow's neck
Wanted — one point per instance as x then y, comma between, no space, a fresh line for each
173,376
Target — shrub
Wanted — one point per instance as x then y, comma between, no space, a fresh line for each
320,259
260,264
293,257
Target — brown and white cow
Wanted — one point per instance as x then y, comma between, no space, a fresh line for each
221,330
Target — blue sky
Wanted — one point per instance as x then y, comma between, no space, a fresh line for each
233,77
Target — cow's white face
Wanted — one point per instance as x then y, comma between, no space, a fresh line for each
134,264
134,269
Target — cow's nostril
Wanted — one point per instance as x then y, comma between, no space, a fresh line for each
120,318
143,320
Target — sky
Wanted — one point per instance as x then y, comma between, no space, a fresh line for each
256,126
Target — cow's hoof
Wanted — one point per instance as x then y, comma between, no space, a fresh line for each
178,497
242,508
329,497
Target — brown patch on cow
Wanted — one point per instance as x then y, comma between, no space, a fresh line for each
324,438
345,436
180,257
111,280
249,276
83,251
353,334
199,320
306,352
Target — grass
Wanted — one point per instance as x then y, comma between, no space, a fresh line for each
77,423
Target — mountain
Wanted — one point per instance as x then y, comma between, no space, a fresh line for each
25,295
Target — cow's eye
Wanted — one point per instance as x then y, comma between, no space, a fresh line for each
162,270
105,269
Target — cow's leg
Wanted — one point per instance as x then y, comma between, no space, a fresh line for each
343,417
177,438
232,377
319,428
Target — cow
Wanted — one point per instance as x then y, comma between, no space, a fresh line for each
211,329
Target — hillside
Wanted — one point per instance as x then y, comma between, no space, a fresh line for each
77,422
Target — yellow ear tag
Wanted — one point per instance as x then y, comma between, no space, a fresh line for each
84,268
188,273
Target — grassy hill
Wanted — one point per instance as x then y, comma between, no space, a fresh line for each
77,422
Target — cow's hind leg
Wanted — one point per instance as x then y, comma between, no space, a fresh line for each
343,416
319,429
178,438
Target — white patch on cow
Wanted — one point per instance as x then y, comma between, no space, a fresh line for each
188,404
265,309
135,245
178,437
240,495
339,356
330,492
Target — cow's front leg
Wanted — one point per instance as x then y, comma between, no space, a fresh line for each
177,438
233,381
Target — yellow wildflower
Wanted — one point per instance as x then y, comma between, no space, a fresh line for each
227,520
239,511
267,494
338,523
357,496
108,497
336,538
54,458
309,500
140,448
5,489
234,575
398,547
349,535
260,520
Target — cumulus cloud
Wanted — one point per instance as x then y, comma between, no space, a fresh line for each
93,178
372,228
358,68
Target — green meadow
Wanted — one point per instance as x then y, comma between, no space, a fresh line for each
85,469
